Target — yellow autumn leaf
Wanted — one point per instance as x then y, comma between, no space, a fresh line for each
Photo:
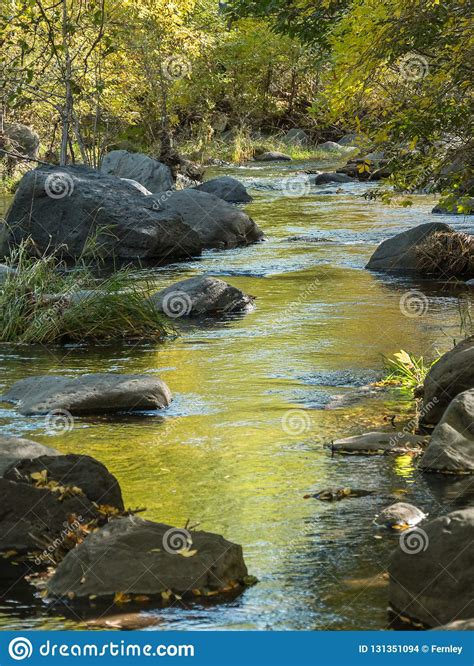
186,553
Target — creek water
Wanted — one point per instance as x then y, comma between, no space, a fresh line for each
229,453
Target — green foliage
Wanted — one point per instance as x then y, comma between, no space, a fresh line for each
406,370
43,302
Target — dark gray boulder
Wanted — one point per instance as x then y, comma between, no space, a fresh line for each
22,139
452,374
73,471
432,571
62,207
451,449
200,296
32,517
139,557
326,178
217,223
13,449
153,175
399,516
88,394
272,156
401,252
227,188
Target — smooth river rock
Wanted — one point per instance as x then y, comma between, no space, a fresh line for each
153,175
72,471
202,295
432,571
383,443
451,449
60,208
88,394
327,178
400,253
140,557
400,515
273,156
227,188
14,449
218,224
452,374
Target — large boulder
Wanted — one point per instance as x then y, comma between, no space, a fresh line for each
452,374
71,471
336,148
451,449
401,252
380,443
138,557
88,394
199,296
14,449
60,208
22,139
217,223
296,136
227,188
432,571
153,175
31,517
272,156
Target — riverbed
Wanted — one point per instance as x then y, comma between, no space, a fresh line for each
257,397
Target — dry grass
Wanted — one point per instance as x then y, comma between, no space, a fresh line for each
447,253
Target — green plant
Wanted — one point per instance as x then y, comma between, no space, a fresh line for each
44,302
406,370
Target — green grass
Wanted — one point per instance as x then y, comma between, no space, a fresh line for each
242,147
406,370
39,304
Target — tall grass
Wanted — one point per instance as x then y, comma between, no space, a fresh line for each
43,302
406,370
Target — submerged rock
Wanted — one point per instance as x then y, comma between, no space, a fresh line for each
380,443
451,449
273,156
399,516
217,223
452,374
153,175
71,471
62,208
88,394
432,571
14,449
140,557
202,295
326,178
400,253
227,188
337,494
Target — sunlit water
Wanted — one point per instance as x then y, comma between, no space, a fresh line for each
227,454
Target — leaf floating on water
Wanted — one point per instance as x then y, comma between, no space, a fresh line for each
166,595
8,553
122,598
155,550
141,597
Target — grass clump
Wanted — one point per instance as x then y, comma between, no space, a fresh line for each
43,302
406,370
448,253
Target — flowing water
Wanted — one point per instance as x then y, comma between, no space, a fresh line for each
230,453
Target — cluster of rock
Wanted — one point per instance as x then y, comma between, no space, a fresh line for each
62,208
66,512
